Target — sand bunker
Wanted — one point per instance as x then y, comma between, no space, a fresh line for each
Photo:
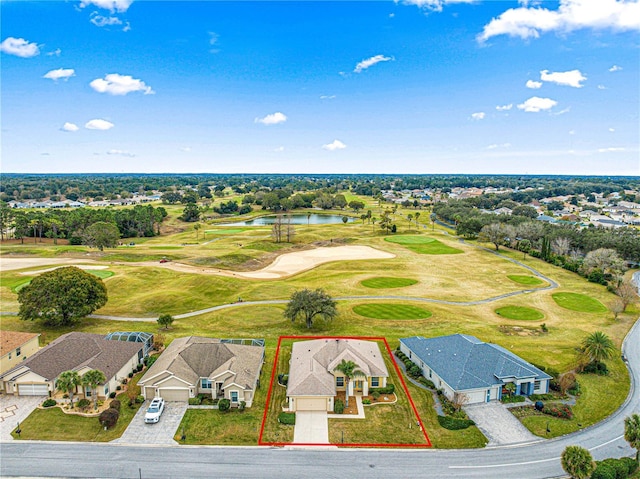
10,264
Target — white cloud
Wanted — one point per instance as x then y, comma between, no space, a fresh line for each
612,130
279,149
610,150
615,68
111,5
534,85
127,27
529,22
98,124
504,107
327,97
433,5
571,78
213,40
186,149
69,127
55,53
120,153
369,62
19,47
116,84
562,112
272,119
536,104
64,73
102,21
602,87
496,146
478,115
572,132
335,145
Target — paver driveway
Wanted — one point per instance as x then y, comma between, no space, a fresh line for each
312,427
498,424
161,432
15,409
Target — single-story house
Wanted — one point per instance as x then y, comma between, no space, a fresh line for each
75,351
15,347
313,380
472,371
195,365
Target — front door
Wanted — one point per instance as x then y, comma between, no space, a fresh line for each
357,386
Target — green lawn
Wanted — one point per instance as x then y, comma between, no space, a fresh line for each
100,273
227,231
526,280
386,282
520,313
210,426
579,302
423,245
165,247
391,311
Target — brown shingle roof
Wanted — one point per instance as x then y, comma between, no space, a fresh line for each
10,340
73,351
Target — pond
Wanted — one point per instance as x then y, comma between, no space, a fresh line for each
296,219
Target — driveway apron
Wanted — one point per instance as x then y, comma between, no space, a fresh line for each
15,409
161,432
312,427
498,424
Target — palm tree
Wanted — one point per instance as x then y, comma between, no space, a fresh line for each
92,379
350,370
598,346
415,217
68,381
577,462
632,432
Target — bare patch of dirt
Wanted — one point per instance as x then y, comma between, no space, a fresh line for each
520,331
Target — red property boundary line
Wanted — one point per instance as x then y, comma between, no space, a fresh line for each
395,365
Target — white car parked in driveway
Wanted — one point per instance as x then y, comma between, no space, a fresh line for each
154,410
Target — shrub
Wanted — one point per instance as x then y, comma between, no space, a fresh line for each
130,375
283,379
619,467
603,471
511,399
288,418
125,381
563,411
139,399
631,463
49,403
65,396
542,397
389,389
83,403
150,360
114,404
575,390
112,394
118,388
139,368
375,395
224,405
544,328
596,367
242,405
338,406
454,424
109,417
194,401
426,382
366,401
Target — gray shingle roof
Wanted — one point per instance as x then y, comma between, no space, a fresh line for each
191,358
465,362
312,361
75,350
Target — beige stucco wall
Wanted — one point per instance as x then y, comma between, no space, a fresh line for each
10,360
11,387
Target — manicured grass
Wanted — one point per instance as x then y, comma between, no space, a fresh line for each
423,244
391,311
54,425
100,273
274,431
228,231
165,247
385,282
579,302
210,426
520,313
527,280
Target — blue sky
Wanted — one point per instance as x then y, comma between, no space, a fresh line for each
416,86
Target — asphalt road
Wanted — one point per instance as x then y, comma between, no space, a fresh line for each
529,461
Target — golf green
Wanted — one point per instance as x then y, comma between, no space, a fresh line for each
228,231
579,302
526,280
384,282
423,245
391,311
520,313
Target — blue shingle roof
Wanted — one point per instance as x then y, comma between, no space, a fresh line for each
465,362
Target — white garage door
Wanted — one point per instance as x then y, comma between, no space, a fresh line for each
174,394
311,404
33,390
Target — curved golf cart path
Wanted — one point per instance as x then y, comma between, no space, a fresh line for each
535,460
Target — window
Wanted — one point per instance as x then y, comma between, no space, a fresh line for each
234,396
106,389
9,355
87,392
205,383
17,352
375,382
536,385
339,382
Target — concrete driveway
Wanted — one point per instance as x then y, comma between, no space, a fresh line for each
15,409
161,432
312,427
498,424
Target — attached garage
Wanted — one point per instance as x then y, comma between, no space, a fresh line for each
33,389
174,394
311,404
